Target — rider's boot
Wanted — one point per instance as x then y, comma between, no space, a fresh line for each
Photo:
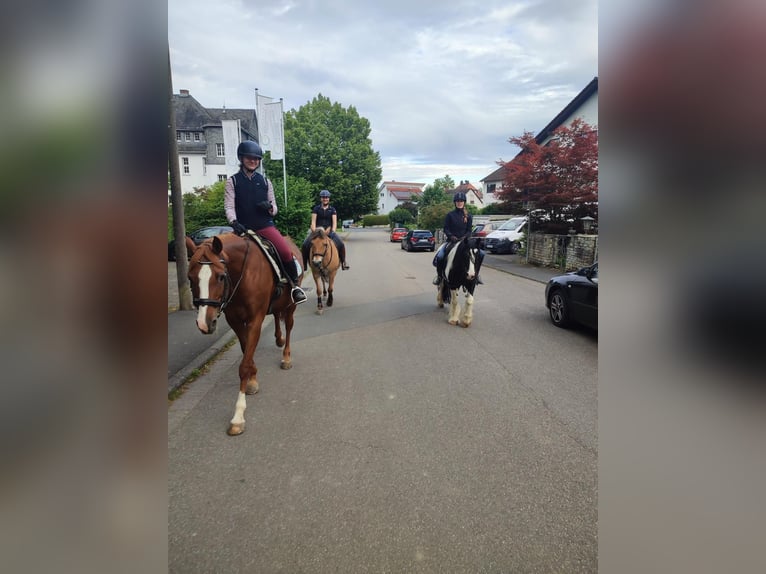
293,272
439,272
343,264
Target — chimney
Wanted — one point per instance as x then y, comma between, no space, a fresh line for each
184,93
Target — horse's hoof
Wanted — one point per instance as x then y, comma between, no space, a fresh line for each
235,430
251,388
452,322
284,365
280,343
320,311
465,325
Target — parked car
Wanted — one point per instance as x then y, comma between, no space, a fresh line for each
573,297
507,238
419,240
397,233
198,237
481,230
347,223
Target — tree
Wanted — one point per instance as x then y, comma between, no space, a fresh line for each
560,178
432,216
400,216
435,193
329,147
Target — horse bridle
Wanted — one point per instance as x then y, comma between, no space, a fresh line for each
326,248
225,299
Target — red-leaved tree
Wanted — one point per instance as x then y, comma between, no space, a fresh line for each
559,179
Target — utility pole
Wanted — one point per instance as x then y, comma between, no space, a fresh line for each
176,199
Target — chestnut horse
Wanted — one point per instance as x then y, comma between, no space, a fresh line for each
231,274
324,261
461,271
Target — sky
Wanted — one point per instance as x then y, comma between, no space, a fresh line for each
444,85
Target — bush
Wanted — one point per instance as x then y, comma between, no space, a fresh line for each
371,220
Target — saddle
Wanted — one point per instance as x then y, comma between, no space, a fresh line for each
280,275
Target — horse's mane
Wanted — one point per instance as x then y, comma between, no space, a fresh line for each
319,232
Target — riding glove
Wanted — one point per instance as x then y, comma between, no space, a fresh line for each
264,206
454,239
239,229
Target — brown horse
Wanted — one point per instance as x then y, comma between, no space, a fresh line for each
325,262
231,274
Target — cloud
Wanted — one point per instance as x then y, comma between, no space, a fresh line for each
442,85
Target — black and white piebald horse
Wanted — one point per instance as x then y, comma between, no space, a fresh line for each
461,271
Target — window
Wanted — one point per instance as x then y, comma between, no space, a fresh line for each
221,177
491,188
188,136
219,150
196,136
185,161
178,135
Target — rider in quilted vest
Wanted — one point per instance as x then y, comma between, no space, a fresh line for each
249,203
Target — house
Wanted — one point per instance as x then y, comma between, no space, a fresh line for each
391,194
474,196
202,156
583,106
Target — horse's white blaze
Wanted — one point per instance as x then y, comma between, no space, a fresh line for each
204,293
471,267
239,410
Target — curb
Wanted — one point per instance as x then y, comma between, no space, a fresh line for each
200,360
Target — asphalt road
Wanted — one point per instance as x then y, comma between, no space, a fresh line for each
397,443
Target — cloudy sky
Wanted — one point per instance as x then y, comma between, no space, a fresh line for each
443,84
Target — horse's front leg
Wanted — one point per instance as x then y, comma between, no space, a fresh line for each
248,383
318,283
287,360
466,317
453,307
330,288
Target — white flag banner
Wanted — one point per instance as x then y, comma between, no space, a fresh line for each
261,112
231,133
271,134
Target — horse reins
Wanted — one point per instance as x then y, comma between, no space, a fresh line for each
224,300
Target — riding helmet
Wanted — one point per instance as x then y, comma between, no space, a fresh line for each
249,147
324,193
459,196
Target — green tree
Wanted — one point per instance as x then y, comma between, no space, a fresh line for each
293,219
329,147
435,192
432,216
400,216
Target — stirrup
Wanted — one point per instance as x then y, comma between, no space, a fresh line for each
298,295
344,266
437,280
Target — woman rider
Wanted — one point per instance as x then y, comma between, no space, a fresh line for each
249,204
458,223
325,216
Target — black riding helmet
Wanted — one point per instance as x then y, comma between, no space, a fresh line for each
249,148
459,196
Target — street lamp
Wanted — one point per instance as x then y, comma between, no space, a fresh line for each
587,223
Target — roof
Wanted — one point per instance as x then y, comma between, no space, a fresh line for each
191,115
395,183
557,121
568,110
403,195
465,187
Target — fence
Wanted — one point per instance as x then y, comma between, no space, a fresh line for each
565,252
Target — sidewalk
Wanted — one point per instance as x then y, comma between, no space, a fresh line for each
188,349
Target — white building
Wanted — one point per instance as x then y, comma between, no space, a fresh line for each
202,156
583,106
391,194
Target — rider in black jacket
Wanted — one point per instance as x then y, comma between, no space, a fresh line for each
458,223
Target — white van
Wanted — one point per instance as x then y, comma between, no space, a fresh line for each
508,237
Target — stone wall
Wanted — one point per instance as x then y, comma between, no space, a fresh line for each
565,252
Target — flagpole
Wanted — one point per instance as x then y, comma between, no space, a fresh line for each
258,130
284,167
